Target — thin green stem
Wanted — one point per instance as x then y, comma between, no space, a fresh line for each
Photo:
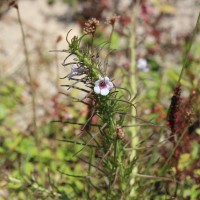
110,38
115,154
29,73
89,172
174,149
155,177
35,186
57,69
86,62
132,81
132,78
186,60
109,45
92,42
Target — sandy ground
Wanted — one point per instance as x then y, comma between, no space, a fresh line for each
42,27
184,18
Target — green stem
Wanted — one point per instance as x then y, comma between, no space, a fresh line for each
86,62
174,149
110,38
89,172
186,61
109,45
132,77
115,154
34,186
132,80
29,73
57,69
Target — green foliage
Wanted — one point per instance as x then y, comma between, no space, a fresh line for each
29,166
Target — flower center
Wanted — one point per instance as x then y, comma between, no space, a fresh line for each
102,84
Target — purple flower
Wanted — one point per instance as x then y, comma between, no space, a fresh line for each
142,64
103,86
76,71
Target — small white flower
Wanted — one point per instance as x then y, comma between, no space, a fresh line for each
75,71
103,86
142,64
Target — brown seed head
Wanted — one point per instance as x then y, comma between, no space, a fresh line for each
119,131
13,3
112,20
91,26
174,108
58,39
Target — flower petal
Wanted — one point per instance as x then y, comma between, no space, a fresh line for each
142,64
110,85
74,66
104,91
101,78
106,79
97,83
97,89
71,74
79,70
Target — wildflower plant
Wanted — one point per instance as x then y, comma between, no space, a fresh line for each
109,137
109,164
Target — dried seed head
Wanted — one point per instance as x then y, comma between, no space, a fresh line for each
13,3
174,108
91,26
119,131
112,20
58,39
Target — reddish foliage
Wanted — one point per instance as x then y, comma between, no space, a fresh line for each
159,109
183,126
145,11
58,110
174,108
124,20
